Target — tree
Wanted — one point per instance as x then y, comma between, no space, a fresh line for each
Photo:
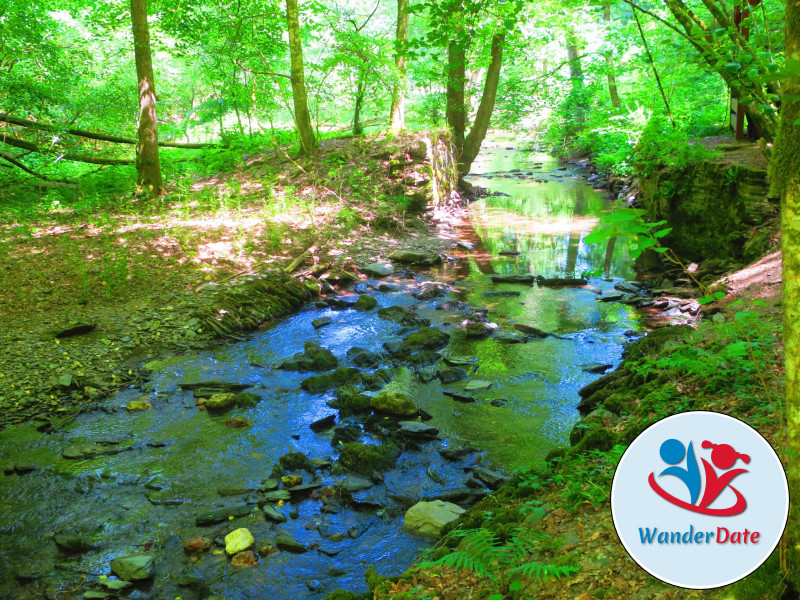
398,112
147,160
785,174
302,118
608,54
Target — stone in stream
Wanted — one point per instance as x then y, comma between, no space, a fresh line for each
465,245
217,385
320,383
528,330
418,429
275,496
273,514
72,543
629,287
456,450
220,402
377,269
75,329
402,316
114,585
350,401
491,478
430,290
88,451
520,278
611,298
422,359
447,376
247,399
479,330
502,294
429,518
509,253
244,559
367,458
134,567
394,398
295,461
353,483
459,361
197,545
478,384
361,357
598,368
415,258
323,423
285,541
459,396
218,515
560,281
313,358
511,337
239,540
365,302
321,322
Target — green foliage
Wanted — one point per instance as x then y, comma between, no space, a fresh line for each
627,223
663,146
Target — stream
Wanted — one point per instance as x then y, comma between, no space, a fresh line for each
156,471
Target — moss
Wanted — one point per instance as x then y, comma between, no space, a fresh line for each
653,342
319,383
364,458
295,461
350,401
343,595
365,303
247,399
596,438
427,338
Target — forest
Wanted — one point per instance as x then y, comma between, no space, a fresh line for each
372,299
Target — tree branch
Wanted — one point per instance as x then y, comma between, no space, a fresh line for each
17,143
19,165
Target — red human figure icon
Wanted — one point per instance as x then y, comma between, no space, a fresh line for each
724,457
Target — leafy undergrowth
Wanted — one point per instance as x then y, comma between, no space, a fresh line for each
133,266
549,532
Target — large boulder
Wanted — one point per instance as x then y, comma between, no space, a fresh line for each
427,338
395,398
319,383
315,358
134,567
428,518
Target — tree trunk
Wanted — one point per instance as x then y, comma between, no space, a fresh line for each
358,126
785,174
398,114
302,118
147,162
577,95
456,109
612,80
480,126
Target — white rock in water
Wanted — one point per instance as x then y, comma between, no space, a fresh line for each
239,540
428,518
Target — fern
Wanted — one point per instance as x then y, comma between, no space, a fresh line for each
539,570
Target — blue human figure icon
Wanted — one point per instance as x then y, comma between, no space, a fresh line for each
672,453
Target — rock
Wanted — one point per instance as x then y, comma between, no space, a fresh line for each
629,287
394,403
87,451
560,281
321,322
138,405
422,359
498,402
365,303
430,290
595,368
216,385
273,514
269,485
479,330
114,585
75,329
314,358
465,245
323,423
196,545
190,577
459,396
428,518
304,487
239,540
319,383
134,567
478,384
447,376
458,361
221,402
290,481
402,316
520,278
353,483
509,253
218,515
350,401
238,422
275,496
95,595
295,461
611,298
528,330
418,429
416,258
653,342
378,269
244,559
247,399
363,358
72,543
493,479
285,541
366,458
502,294
511,337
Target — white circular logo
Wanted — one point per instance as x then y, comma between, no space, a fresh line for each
699,500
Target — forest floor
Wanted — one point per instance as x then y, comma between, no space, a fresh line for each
139,269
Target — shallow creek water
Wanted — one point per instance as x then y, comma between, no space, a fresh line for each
175,460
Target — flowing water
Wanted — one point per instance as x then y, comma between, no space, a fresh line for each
175,462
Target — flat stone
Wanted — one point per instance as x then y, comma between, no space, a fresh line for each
285,541
459,361
72,543
321,322
511,337
478,384
451,375
239,540
418,429
244,559
502,294
218,515
378,269
353,483
275,496
428,518
114,585
611,298
323,423
491,478
521,278
87,451
134,567
529,330
509,253
629,287
459,396
560,281
220,402
76,329
456,451
273,514
596,368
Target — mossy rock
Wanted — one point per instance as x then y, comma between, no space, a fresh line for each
350,401
654,342
618,403
247,399
596,438
366,458
556,453
394,403
365,303
314,358
319,383
427,338
296,461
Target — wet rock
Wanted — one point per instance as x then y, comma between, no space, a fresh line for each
365,303
196,545
611,297
134,567
190,577
350,401
528,330
479,330
223,386
95,595
165,498
509,253
366,458
114,585
303,488
353,483
491,478
459,361
88,451
218,515
346,433
361,357
477,384
629,287
319,383
394,403
323,423
221,402
373,381
296,461
430,290
520,278
275,496
459,396
285,541
290,481
596,368
423,359
378,269
269,485
498,402
244,559
314,358
447,376
314,586
428,518
239,540
238,422
402,316
560,281
502,294
415,258
73,543
418,429
273,514
247,399
321,322
75,329
511,337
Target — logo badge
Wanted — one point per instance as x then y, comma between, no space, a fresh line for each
699,500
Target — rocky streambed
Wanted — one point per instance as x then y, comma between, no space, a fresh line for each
286,464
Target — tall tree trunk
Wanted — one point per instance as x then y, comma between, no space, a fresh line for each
302,118
612,80
577,95
456,109
480,125
785,174
358,126
398,114
147,162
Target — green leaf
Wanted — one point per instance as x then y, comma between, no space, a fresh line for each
760,302
705,300
731,67
515,586
597,236
661,250
662,233
495,597
719,295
